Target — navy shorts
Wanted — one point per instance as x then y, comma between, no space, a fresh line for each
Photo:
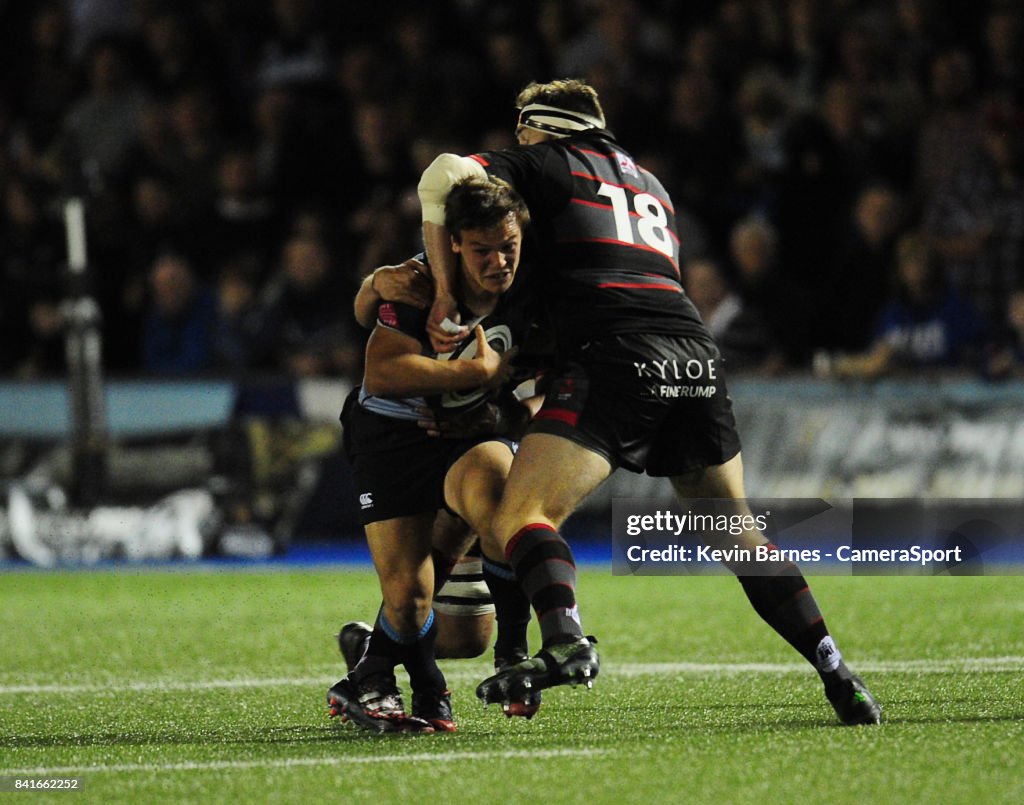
649,403
398,469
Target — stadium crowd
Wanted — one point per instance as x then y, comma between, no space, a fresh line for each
848,175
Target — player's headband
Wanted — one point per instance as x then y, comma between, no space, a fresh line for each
558,122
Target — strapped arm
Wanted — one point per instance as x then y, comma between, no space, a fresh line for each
436,182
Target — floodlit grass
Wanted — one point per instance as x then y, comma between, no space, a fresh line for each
209,686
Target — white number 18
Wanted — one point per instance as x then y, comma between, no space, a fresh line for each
652,223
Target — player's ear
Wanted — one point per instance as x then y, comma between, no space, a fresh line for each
456,245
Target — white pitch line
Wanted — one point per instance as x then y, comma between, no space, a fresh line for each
467,674
337,760
944,666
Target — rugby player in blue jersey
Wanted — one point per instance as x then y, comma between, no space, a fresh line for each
404,475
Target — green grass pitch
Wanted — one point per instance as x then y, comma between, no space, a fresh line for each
208,686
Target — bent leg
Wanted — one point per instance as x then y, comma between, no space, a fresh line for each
473,487
548,479
780,594
463,630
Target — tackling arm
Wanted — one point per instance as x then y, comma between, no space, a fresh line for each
435,184
405,283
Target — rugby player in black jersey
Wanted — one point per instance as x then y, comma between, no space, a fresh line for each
404,475
639,382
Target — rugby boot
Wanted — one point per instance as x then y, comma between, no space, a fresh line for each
353,639
853,703
529,704
375,704
434,708
559,664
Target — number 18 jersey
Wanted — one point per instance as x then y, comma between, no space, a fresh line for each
604,231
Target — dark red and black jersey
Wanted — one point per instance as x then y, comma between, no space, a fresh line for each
604,231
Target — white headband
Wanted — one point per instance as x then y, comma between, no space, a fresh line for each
559,122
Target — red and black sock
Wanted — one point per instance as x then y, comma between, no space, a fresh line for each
546,572
785,602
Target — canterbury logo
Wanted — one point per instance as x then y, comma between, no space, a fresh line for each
366,500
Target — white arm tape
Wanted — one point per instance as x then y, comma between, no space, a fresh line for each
438,179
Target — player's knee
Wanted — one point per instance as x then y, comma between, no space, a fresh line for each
504,525
463,637
406,604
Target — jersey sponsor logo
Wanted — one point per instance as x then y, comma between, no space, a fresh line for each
387,315
677,392
692,369
499,337
626,164
366,500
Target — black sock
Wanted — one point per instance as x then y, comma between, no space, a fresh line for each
383,652
784,600
547,573
511,609
420,661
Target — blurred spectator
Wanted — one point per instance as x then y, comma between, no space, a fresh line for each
241,221
926,324
739,330
1002,66
863,151
179,321
921,29
154,226
198,139
859,277
805,48
1007,358
179,54
812,197
43,82
292,160
235,336
307,326
762,285
157,223
296,52
92,20
743,46
101,127
706,147
977,222
952,129
31,262
625,43
763,107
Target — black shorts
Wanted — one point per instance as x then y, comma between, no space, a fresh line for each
398,469
654,403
